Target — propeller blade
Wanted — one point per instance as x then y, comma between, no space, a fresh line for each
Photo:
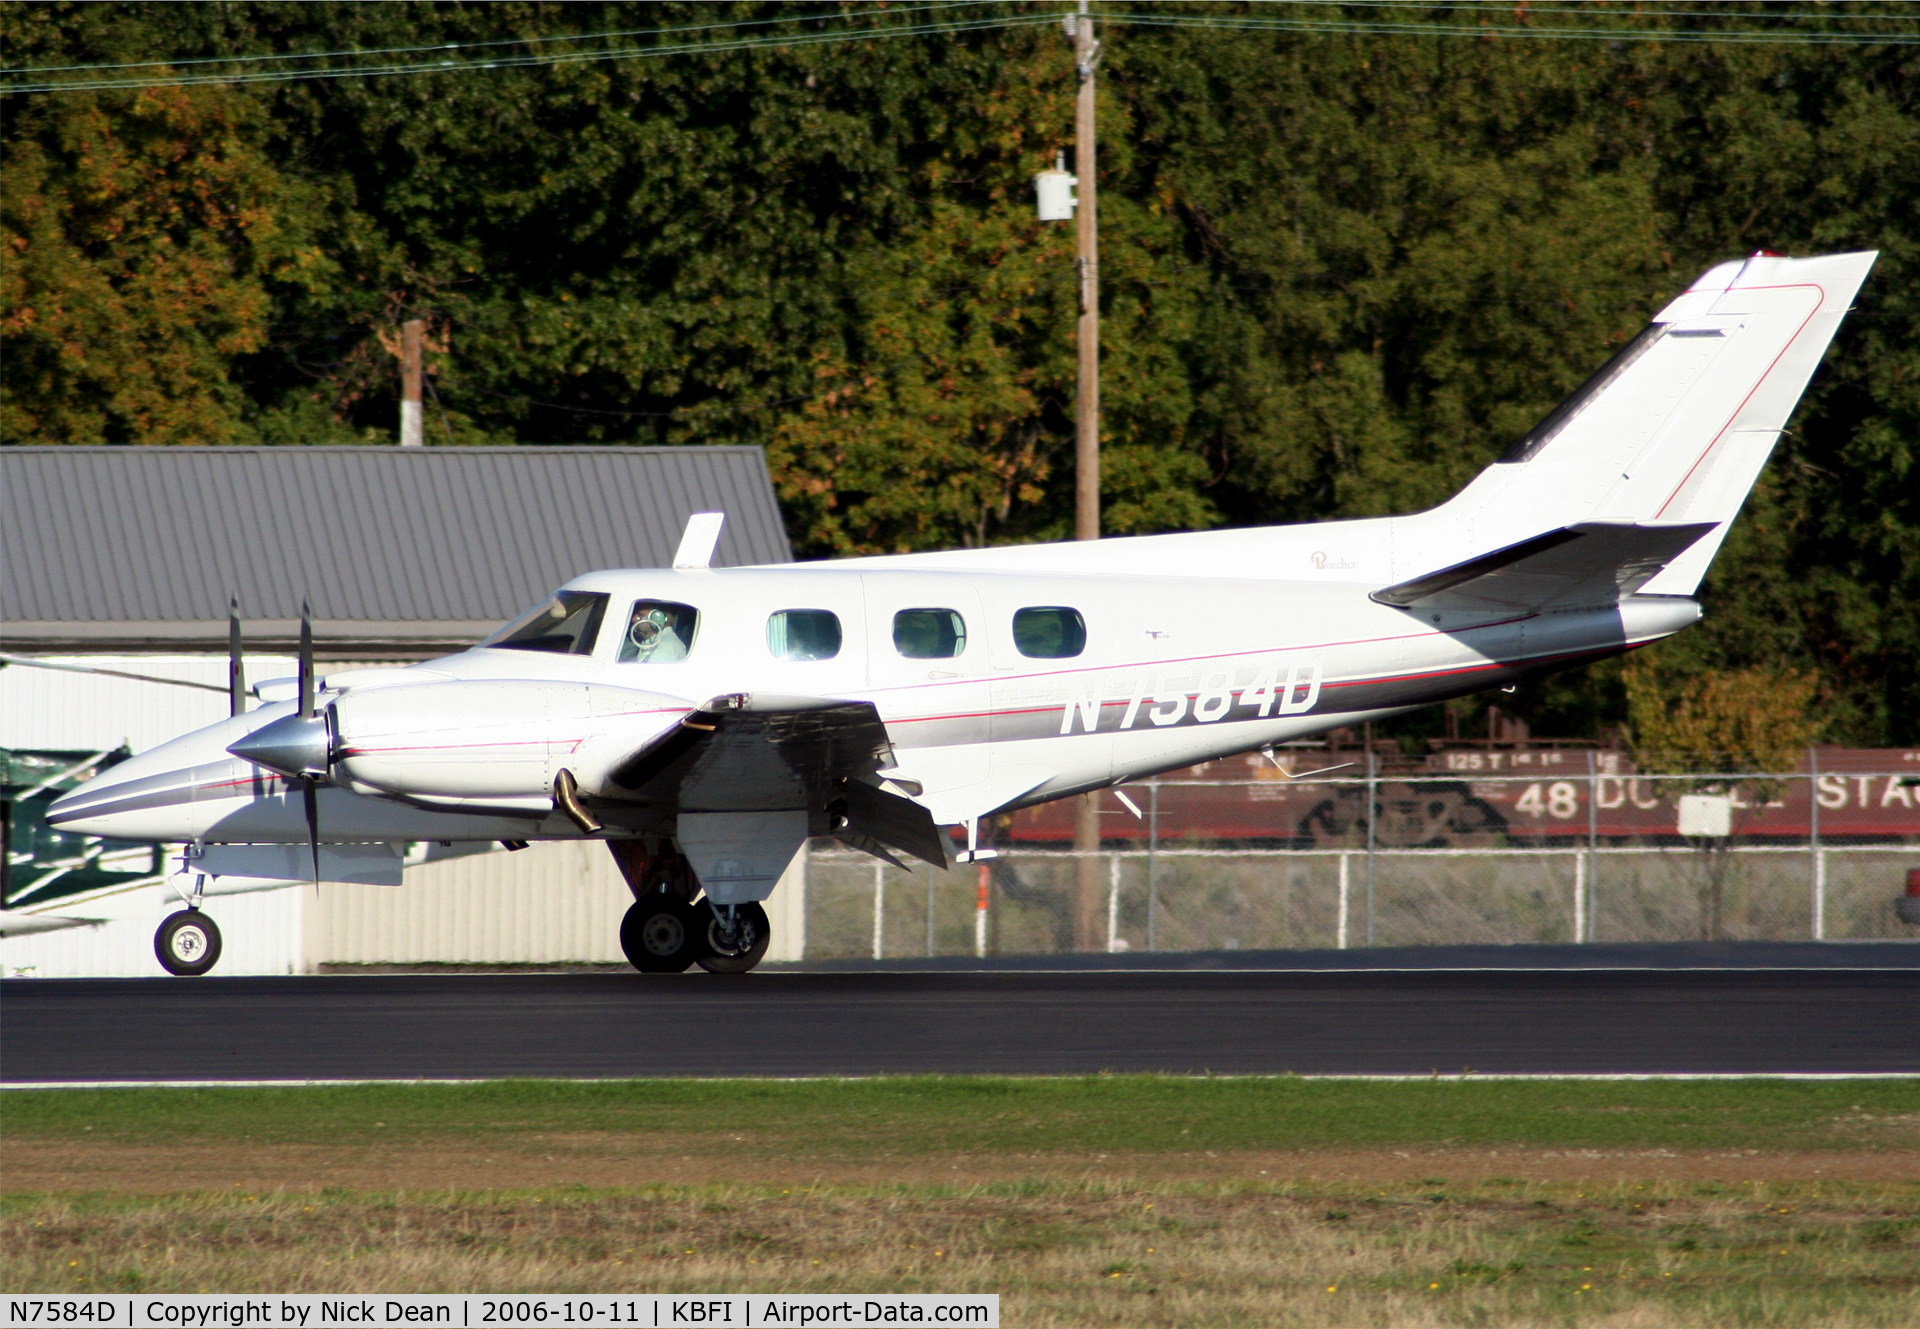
306,661
236,672
311,790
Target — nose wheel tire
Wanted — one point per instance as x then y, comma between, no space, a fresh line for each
744,949
662,934
187,944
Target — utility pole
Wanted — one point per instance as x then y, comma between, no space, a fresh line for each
412,434
1086,452
1086,456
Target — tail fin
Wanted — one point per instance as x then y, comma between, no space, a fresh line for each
1676,426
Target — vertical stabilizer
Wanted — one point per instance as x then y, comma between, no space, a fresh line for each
1676,426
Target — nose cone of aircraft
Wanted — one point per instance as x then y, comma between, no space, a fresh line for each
66,812
96,807
291,745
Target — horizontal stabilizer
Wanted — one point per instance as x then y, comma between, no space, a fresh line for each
1590,563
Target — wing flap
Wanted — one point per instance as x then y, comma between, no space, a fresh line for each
892,820
1587,564
746,751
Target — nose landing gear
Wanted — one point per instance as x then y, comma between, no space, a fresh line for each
187,943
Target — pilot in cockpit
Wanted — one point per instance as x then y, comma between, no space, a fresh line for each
659,632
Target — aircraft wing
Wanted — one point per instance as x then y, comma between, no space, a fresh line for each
758,752
1590,563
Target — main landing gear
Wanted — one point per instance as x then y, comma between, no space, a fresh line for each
667,930
187,943
664,935
661,933
737,937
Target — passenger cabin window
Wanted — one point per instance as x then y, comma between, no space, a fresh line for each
804,634
929,634
1051,632
659,632
568,624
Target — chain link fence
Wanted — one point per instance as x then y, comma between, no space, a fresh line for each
1575,848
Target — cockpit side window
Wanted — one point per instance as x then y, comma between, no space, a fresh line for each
659,632
567,624
804,634
929,634
1049,632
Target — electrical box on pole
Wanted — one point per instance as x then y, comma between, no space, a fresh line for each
1053,189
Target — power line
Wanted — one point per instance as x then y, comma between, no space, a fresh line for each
538,58
1251,23
1587,7
1162,19
358,52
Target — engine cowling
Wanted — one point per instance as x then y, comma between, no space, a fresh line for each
491,739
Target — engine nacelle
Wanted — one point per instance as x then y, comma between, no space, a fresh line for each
492,739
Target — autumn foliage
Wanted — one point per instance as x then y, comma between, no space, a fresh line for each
138,228
1340,272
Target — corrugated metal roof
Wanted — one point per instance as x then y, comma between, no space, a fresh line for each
128,541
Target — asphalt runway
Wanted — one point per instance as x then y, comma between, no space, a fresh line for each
1850,1013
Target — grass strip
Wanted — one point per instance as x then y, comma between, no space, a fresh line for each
949,1114
1267,1253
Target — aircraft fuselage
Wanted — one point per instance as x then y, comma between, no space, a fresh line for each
1173,671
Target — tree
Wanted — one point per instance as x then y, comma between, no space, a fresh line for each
1736,732
1341,272
949,418
140,232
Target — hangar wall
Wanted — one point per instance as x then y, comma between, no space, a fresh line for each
260,934
50,708
552,903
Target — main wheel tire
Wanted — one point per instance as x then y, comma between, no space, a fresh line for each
752,934
663,934
187,944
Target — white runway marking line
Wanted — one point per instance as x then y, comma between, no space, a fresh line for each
1455,1077
1221,971
1382,969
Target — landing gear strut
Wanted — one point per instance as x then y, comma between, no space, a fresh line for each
187,943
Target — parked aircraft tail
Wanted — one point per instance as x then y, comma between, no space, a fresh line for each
1675,427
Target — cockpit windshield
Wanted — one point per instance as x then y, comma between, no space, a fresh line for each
567,624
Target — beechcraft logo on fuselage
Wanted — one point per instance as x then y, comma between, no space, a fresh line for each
1193,696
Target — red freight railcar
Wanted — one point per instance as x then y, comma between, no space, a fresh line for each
1489,795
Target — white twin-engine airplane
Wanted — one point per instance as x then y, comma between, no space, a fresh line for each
704,722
